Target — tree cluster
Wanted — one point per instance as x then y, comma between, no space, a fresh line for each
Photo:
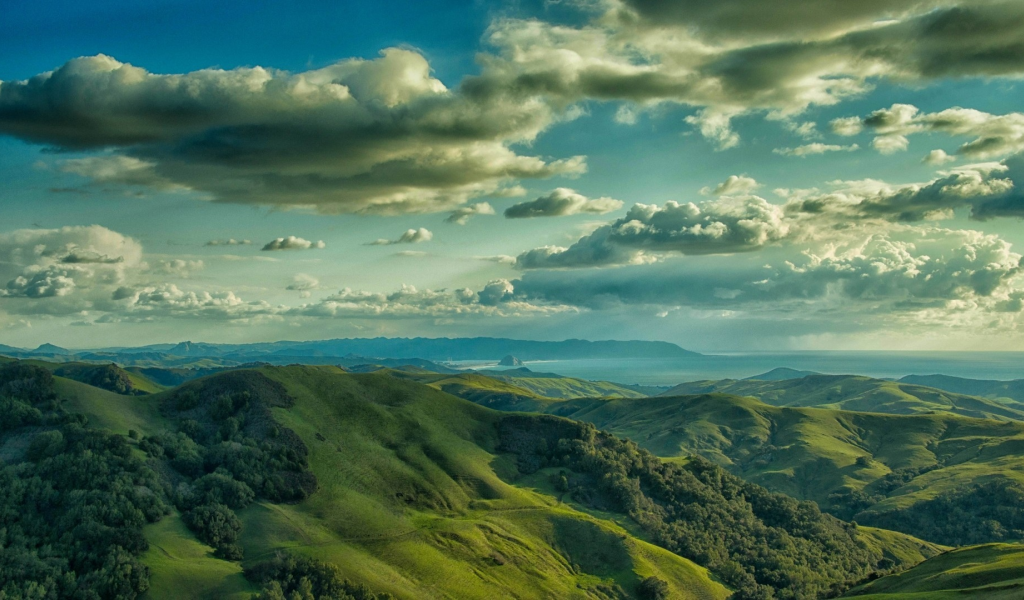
761,544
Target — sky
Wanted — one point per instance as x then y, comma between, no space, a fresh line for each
728,176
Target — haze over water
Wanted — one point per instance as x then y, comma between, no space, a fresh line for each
671,371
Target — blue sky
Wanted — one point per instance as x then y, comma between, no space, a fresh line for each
778,164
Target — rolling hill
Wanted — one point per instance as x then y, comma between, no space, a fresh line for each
875,468
855,393
406,490
1012,390
989,572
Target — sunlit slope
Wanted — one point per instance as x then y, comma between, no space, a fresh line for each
990,572
411,502
855,393
812,453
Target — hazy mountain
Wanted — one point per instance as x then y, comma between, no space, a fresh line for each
986,388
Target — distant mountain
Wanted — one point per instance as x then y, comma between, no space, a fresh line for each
986,388
486,348
434,349
782,374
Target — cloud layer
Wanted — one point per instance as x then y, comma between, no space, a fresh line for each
560,203
377,136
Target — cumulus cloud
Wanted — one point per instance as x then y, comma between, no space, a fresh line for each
721,226
987,189
48,263
734,184
228,242
937,157
728,60
374,136
925,269
304,283
461,215
994,135
292,243
182,268
560,203
815,148
411,236
496,299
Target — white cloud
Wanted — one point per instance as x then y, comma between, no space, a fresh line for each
228,242
721,226
937,157
815,148
302,282
411,236
734,184
562,202
182,268
293,243
47,263
994,135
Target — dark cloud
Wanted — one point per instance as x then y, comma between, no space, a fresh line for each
379,136
562,202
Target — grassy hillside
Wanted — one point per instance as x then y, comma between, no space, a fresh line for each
856,393
990,572
410,503
867,466
1005,391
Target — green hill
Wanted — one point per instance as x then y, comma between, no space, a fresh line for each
108,376
1006,391
876,468
990,572
856,393
371,484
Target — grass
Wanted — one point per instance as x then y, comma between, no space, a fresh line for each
809,453
411,502
990,571
182,567
856,393
110,411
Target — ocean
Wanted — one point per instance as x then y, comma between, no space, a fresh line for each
893,365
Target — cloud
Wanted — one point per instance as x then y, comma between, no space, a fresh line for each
734,184
815,148
937,157
178,267
228,242
560,203
121,170
496,299
292,243
987,189
721,226
367,136
461,215
921,269
722,63
411,236
994,135
501,259
302,282
55,263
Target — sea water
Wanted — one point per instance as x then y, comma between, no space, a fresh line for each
893,365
